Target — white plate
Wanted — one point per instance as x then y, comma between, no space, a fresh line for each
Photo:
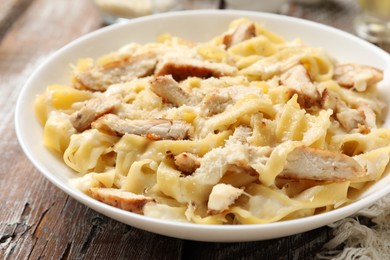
198,26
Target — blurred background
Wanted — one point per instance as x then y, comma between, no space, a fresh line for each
371,20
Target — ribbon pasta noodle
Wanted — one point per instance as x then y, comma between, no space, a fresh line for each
245,128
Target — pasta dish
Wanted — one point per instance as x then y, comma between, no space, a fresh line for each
245,128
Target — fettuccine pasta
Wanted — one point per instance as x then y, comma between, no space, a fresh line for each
245,128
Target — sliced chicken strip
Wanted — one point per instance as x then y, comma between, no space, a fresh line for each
154,129
322,165
350,118
329,100
186,162
181,68
93,109
295,77
215,103
298,80
369,116
169,90
243,32
99,78
221,197
121,199
363,117
357,76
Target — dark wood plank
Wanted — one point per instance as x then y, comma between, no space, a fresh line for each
9,12
302,246
70,230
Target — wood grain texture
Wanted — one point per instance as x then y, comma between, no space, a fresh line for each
10,11
37,220
301,246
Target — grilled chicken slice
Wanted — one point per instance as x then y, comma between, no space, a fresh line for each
369,116
221,197
298,80
182,68
357,76
93,109
321,165
121,199
99,78
295,77
363,117
329,100
169,90
215,103
243,32
350,118
186,162
154,129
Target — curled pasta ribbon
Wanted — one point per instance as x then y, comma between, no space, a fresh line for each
86,149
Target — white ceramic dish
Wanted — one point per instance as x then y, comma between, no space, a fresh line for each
189,25
262,5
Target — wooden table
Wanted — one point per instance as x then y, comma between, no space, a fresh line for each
40,221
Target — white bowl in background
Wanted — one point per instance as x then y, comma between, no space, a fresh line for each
191,25
273,6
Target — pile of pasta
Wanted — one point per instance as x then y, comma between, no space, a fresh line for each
245,128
